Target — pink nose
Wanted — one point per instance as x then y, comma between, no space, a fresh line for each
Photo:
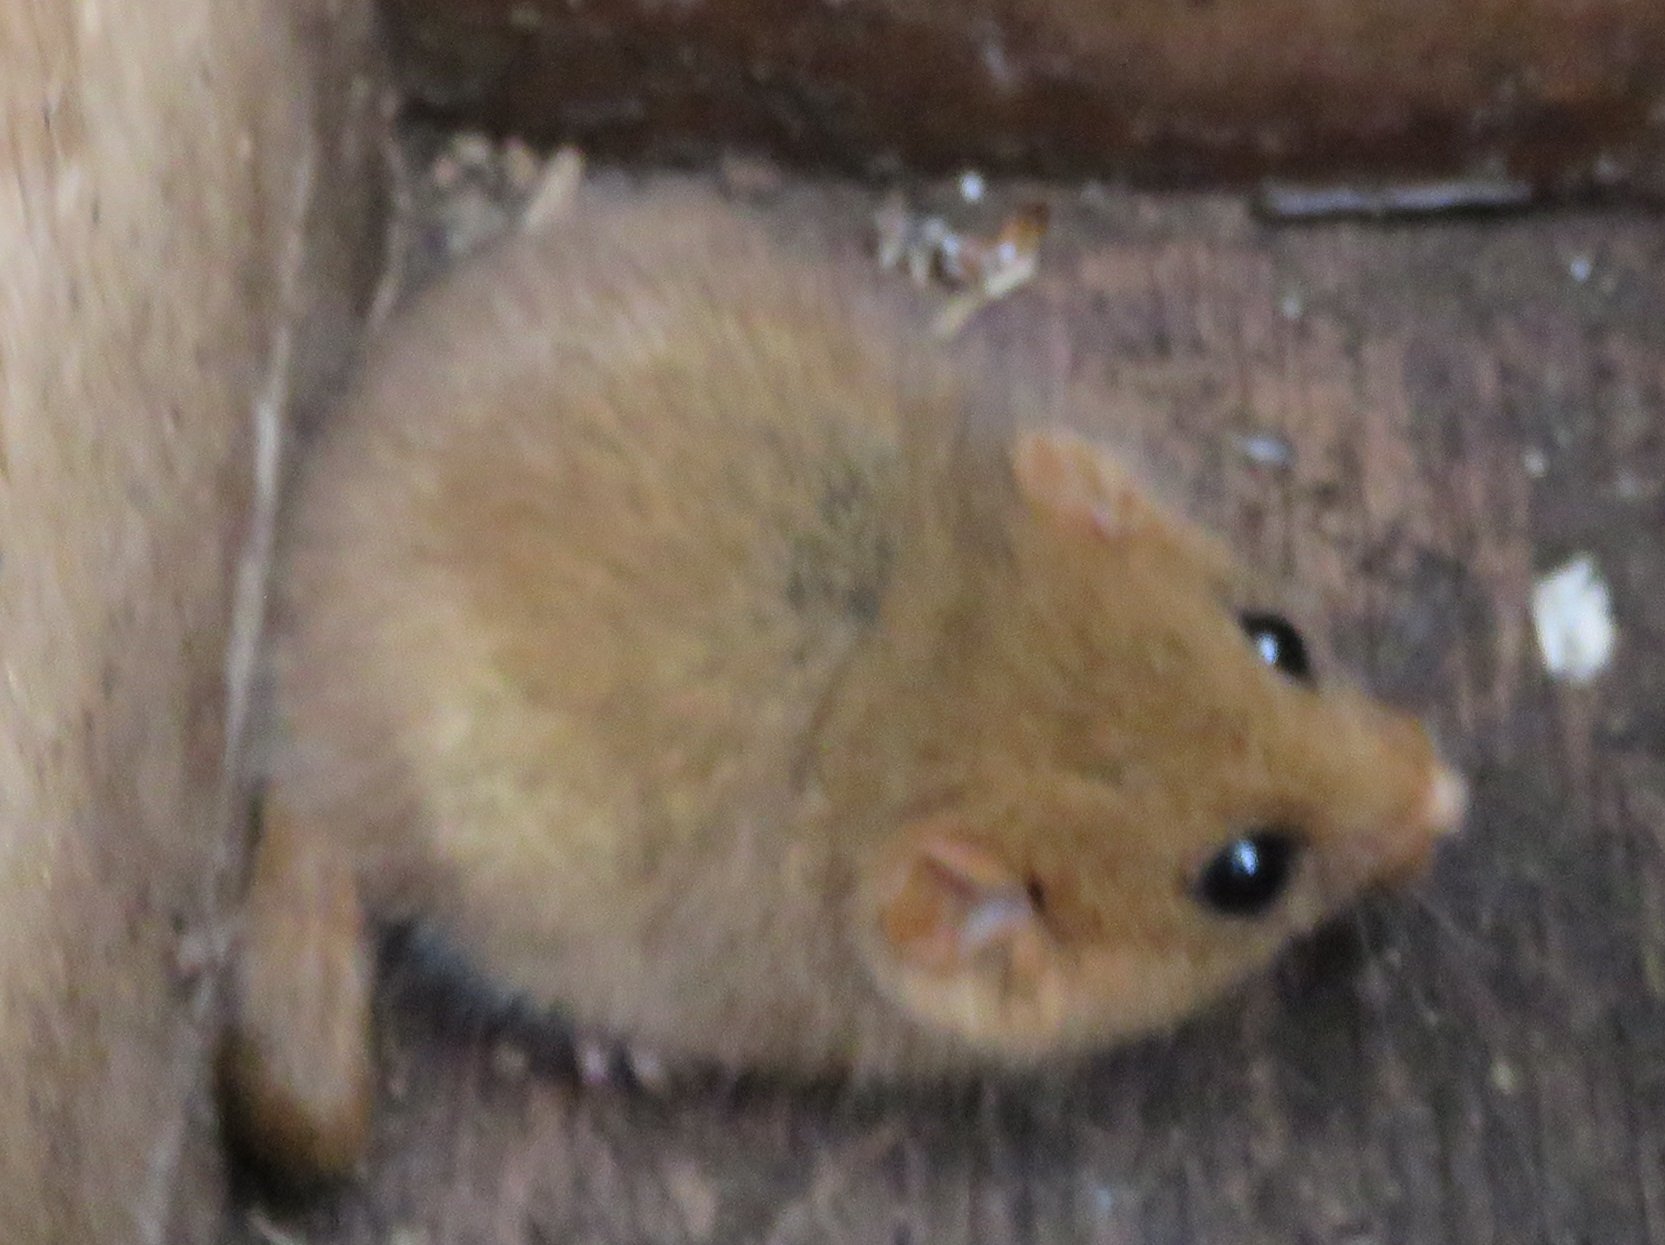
1438,814
1445,803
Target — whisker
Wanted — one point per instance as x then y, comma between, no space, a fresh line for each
1467,939
1474,1046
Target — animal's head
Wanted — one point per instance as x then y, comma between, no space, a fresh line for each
1129,783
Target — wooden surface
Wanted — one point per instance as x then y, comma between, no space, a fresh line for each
1483,1060
1550,91
177,186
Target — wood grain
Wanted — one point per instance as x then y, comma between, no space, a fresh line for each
1195,90
175,180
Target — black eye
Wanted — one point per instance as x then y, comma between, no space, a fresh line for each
1248,874
1279,644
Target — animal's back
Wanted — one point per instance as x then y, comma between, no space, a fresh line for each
572,573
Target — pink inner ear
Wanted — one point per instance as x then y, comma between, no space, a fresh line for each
956,899
1078,483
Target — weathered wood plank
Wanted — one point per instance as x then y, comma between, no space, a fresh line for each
1196,90
179,185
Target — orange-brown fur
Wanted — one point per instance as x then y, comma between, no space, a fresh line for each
705,652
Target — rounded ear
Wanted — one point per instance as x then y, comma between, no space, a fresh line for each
955,902
1084,489
961,942
1079,485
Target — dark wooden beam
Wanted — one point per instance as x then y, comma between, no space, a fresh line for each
1549,92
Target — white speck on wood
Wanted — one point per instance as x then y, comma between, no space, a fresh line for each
269,1232
1267,449
557,190
1572,613
595,1062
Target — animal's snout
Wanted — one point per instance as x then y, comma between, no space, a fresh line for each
1438,813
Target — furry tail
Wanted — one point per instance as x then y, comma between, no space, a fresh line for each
295,1067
